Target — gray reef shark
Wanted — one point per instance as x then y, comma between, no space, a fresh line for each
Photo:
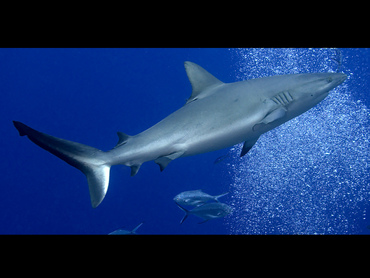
217,115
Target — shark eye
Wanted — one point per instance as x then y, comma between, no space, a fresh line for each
329,79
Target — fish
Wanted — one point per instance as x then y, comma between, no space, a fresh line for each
126,232
207,211
338,59
221,158
217,115
196,198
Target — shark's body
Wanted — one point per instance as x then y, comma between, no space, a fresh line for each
216,116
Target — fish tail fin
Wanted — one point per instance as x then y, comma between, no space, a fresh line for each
186,213
90,161
137,227
203,221
219,196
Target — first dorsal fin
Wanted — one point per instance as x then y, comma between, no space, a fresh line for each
200,79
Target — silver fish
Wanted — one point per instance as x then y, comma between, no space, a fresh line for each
207,211
126,232
195,198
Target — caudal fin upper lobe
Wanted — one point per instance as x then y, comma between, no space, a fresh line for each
90,161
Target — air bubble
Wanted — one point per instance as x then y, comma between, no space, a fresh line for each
309,175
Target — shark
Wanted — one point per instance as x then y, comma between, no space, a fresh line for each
217,115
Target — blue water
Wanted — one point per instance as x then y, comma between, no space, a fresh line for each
308,176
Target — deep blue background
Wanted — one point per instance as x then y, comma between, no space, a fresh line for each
87,95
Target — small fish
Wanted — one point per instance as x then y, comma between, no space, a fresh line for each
221,158
338,59
207,211
125,232
195,198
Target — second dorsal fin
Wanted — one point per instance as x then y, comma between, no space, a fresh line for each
122,138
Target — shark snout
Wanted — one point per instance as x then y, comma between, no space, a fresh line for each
339,78
333,80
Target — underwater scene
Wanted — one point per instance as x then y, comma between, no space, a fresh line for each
245,141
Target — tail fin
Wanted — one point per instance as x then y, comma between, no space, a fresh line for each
219,196
88,160
184,210
135,229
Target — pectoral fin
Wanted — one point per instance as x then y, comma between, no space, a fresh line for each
163,161
270,117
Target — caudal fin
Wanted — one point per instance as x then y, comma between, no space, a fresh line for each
88,160
184,210
219,196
